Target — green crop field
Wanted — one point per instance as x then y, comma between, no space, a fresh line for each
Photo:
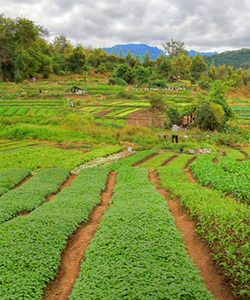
72,170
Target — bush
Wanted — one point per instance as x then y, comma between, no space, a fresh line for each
156,102
117,81
159,83
174,117
204,85
209,115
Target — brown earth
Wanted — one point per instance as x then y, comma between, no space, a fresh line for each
67,183
197,249
74,253
104,113
244,153
23,181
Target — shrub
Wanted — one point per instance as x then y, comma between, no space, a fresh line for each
117,81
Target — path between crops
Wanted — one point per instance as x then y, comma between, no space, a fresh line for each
67,183
197,249
74,253
23,181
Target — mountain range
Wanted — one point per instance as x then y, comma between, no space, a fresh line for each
141,49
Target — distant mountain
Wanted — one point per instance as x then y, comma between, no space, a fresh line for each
192,53
141,49
236,58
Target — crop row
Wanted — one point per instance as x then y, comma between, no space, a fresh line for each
31,246
125,113
32,193
220,220
15,111
130,160
156,161
49,157
137,252
215,176
9,178
240,108
234,154
180,161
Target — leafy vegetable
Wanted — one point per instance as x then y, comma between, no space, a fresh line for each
138,253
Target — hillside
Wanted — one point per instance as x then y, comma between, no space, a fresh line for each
141,49
236,58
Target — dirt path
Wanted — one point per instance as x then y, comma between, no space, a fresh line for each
244,153
197,249
23,181
73,255
67,183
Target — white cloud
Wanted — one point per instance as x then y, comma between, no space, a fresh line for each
202,25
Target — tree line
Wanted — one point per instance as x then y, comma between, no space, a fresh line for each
25,52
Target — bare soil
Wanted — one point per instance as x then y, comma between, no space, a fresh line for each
197,249
104,113
23,181
244,153
74,253
67,183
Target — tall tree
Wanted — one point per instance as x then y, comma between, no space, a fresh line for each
146,62
173,48
197,67
129,59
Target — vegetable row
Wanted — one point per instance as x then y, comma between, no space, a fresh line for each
48,157
31,246
32,193
131,160
9,178
156,161
220,220
137,252
229,176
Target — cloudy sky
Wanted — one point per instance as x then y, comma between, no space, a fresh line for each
203,25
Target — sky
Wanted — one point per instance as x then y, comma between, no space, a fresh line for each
203,25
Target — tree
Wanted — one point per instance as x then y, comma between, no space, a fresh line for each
137,60
164,66
141,74
129,59
212,71
217,95
181,65
123,71
173,115
197,67
18,38
76,60
209,115
146,62
156,102
173,48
